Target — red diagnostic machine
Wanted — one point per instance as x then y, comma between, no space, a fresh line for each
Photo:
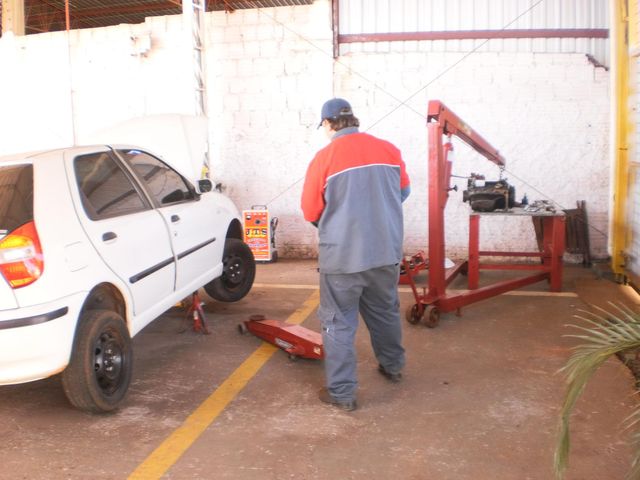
259,233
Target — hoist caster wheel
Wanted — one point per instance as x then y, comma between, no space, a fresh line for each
293,357
242,328
431,316
413,315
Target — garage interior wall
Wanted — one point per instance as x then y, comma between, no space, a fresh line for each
269,70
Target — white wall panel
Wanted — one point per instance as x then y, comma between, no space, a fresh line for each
633,201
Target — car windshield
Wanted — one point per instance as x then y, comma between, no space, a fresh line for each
16,197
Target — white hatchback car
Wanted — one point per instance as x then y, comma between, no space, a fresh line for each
95,243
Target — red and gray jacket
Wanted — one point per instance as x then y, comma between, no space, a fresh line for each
353,191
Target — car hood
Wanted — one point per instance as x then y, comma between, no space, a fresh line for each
180,140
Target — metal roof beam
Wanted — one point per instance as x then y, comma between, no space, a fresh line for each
152,8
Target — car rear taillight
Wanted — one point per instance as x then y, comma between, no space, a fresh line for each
21,261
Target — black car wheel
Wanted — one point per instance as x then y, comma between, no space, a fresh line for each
99,373
239,271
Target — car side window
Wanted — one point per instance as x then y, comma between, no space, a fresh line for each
16,197
105,189
164,184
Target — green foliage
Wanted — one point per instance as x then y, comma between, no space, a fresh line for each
605,334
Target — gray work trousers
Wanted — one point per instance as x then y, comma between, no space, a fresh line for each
373,293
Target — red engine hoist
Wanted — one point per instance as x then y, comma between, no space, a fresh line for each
440,122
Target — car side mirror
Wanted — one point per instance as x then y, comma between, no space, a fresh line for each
205,185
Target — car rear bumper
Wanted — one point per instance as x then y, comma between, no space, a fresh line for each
36,342
34,319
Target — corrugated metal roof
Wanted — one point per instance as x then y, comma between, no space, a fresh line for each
375,16
384,16
49,15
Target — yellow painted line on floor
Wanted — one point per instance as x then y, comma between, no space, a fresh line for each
515,293
174,446
518,293
525,293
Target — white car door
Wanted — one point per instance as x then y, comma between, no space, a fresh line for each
197,228
130,236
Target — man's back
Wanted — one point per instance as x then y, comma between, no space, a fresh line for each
355,184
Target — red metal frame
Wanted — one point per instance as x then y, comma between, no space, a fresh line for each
412,267
441,122
550,255
506,33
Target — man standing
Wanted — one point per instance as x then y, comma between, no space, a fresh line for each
353,193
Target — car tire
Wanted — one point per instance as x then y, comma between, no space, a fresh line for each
239,271
98,375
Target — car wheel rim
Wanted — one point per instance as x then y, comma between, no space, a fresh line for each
107,361
233,270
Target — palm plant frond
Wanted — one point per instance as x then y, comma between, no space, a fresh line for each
605,335
631,422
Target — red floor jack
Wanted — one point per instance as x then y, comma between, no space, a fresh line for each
196,313
296,340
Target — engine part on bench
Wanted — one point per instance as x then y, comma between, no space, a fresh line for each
540,206
486,196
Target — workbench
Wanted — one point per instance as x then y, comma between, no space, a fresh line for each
550,252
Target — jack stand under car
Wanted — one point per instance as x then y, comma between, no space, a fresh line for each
296,340
196,313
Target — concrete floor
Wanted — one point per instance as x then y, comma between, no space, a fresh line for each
479,400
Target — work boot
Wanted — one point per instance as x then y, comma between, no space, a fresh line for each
326,397
392,377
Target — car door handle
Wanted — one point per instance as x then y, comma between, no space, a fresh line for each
109,236
175,218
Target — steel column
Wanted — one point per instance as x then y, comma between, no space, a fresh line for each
474,254
436,211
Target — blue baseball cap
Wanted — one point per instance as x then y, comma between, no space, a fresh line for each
334,108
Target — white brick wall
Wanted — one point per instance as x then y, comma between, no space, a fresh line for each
546,113
268,72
